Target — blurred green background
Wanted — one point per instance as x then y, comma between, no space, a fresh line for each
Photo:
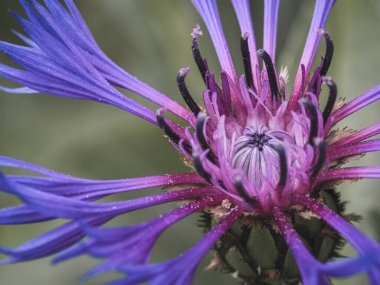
151,40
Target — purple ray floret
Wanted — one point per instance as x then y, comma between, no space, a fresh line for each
179,270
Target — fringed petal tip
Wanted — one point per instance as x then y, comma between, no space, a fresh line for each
51,242
19,90
132,244
178,270
69,253
62,58
39,194
8,260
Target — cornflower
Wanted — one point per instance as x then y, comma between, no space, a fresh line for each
265,161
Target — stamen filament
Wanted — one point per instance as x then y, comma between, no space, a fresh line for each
283,166
328,54
169,131
313,120
200,128
321,158
275,93
246,61
190,102
333,93
199,167
242,192
201,63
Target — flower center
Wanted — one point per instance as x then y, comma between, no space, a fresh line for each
255,153
257,140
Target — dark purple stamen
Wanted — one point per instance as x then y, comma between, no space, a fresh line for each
226,91
238,183
169,132
199,167
211,83
190,102
328,55
283,165
333,93
275,93
201,63
246,61
313,120
316,81
321,159
201,124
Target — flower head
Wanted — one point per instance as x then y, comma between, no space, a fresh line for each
265,159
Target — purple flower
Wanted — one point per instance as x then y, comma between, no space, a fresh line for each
265,158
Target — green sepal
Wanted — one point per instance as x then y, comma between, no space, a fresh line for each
327,246
257,254
235,260
290,266
262,248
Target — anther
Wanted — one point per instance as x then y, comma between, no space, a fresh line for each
199,167
201,63
193,106
313,120
169,132
226,90
333,93
200,128
321,158
283,165
328,54
275,93
246,61
211,83
238,183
